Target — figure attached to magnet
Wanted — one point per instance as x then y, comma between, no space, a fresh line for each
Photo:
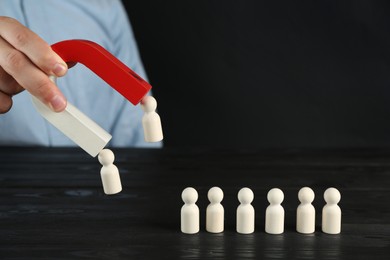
151,120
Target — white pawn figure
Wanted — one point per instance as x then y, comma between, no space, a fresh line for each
331,212
274,214
245,212
109,172
215,213
189,211
151,120
306,214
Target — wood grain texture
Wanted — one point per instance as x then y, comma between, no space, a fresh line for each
52,204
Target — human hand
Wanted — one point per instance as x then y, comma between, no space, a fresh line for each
26,61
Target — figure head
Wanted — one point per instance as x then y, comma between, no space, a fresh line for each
149,104
245,196
332,196
215,195
189,195
106,157
306,195
275,196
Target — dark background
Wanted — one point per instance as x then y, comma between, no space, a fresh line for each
268,74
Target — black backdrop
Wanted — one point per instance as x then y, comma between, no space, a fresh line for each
268,73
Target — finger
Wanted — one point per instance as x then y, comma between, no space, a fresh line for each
34,47
26,74
8,84
5,103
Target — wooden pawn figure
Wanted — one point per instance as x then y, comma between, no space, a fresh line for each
109,172
306,214
189,211
215,213
274,214
245,212
331,212
151,121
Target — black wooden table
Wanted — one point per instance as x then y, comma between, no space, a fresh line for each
52,204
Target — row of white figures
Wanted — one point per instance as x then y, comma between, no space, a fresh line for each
274,216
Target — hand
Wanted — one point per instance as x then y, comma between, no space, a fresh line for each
26,61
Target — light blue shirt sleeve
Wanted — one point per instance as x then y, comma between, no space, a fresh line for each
102,21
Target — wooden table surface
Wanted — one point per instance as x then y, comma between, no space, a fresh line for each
52,204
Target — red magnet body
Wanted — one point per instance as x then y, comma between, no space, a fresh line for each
106,66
